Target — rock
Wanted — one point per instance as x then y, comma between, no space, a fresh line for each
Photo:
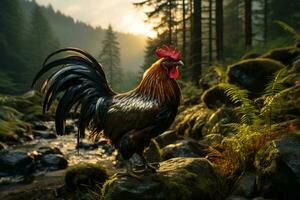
153,152
212,139
278,168
191,121
284,55
43,134
245,186
215,98
184,148
54,161
167,138
210,79
253,74
49,150
108,149
39,126
84,176
69,129
15,162
177,178
87,146
250,56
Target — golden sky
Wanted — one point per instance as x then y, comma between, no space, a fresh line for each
121,14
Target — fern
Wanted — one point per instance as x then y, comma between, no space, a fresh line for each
289,29
241,97
273,95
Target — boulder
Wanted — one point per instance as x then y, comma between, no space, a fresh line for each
39,126
16,162
245,186
215,98
210,78
250,56
284,55
53,161
43,134
278,168
184,148
177,178
190,122
253,74
167,138
84,176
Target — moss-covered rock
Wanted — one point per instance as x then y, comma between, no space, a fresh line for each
184,148
278,168
189,123
85,176
215,97
178,178
253,74
167,138
210,78
284,55
250,56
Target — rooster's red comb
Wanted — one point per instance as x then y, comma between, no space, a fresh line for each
168,52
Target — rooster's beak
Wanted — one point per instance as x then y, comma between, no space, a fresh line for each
179,63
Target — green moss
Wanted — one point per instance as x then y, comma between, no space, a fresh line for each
284,55
253,74
250,56
178,178
215,97
85,176
190,122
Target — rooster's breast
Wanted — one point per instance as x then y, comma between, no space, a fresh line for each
128,112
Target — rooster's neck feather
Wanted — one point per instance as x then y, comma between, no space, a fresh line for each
157,85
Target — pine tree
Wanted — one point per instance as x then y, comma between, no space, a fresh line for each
110,58
12,35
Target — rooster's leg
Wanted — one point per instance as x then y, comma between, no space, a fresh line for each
147,165
129,171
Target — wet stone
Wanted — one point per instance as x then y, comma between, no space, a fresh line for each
16,162
43,134
53,161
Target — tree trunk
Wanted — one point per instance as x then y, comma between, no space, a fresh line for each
183,31
266,11
219,29
196,42
248,23
210,40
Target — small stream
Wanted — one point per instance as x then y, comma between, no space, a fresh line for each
99,152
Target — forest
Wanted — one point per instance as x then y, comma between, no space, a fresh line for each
113,121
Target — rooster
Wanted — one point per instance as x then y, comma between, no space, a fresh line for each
129,120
